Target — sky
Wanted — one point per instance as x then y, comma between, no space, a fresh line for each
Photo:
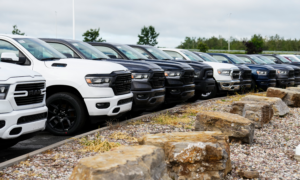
121,21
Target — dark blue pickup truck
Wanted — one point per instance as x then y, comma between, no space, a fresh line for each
263,76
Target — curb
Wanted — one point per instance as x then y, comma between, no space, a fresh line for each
31,154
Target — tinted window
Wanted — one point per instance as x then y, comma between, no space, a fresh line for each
159,54
174,55
245,59
69,53
221,58
207,57
192,56
143,52
89,51
235,59
108,51
6,47
130,53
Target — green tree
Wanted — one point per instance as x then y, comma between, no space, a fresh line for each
17,31
148,36
202,47
92,35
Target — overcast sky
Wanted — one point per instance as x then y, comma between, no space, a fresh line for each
121,20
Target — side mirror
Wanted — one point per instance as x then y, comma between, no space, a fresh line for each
112,56
12,58
224,62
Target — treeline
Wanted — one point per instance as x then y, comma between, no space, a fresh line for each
271,43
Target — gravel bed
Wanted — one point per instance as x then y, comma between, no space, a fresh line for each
272,154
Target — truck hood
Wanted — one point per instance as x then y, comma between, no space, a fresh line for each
217,65
169,65
12,71
260,67
85,66
281,67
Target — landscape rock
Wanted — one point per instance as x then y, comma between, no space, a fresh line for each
193,155
294,88
124,163
235,126
279,107
249,174
291,98
259,112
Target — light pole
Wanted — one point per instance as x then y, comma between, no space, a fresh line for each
55,24
229,33
73,20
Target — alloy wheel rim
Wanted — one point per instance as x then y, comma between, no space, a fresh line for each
206,94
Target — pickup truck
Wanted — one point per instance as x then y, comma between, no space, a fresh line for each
283,73
262,76
147,83
179,82
77,91
227,76
23,111
294,57
204,81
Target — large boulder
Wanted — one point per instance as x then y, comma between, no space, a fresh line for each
291,98
279,107
124,163
235,126
259,112
294,88
193,155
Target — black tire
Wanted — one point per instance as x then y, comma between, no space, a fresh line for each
209,95
66,114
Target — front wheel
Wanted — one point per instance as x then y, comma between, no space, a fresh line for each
66,114
209,95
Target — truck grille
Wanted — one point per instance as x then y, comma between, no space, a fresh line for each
297,73
272,74
31,118
34,94
158,80
235,74
247,74
122,84
291,74
188,77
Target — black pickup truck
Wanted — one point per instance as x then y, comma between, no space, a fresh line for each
204,80
148,79
179,76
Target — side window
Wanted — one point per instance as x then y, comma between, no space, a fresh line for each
69,53
6,47
221,58
245,59
174,55
143,52
272,58
108,51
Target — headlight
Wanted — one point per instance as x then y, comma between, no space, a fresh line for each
140,76
174,74
197,74
224,72
262,73
98,81
281,72
3,91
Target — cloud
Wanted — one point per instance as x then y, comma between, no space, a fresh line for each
121,21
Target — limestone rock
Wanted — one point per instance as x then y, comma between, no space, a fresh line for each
193,155
233,125
294,88
279,107
259,112
291,98
124,163
249,174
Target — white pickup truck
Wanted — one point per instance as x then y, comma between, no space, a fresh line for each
77,91
23,111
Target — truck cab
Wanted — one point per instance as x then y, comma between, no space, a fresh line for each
179,82
262,76
23,111
147,84
77,91
204,81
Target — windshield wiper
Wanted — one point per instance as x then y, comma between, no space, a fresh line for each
98,58
52,58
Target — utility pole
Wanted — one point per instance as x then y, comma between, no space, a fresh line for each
73,20
229,33
55,24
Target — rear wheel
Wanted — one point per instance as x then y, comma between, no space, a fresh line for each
66,114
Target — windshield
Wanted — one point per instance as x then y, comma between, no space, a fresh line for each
283,59
298,56
88,50
40,49
207,57
292,59
235,59
159,54
257,60
266,60
192,56
130,53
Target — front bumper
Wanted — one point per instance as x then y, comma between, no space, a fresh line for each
148,100
11,122
282,82
297,81
291,81
206,85
179,94
115,105
230,85
246,83
261,83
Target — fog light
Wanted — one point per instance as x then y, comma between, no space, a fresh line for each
102,105
142,96
2,124
174,90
